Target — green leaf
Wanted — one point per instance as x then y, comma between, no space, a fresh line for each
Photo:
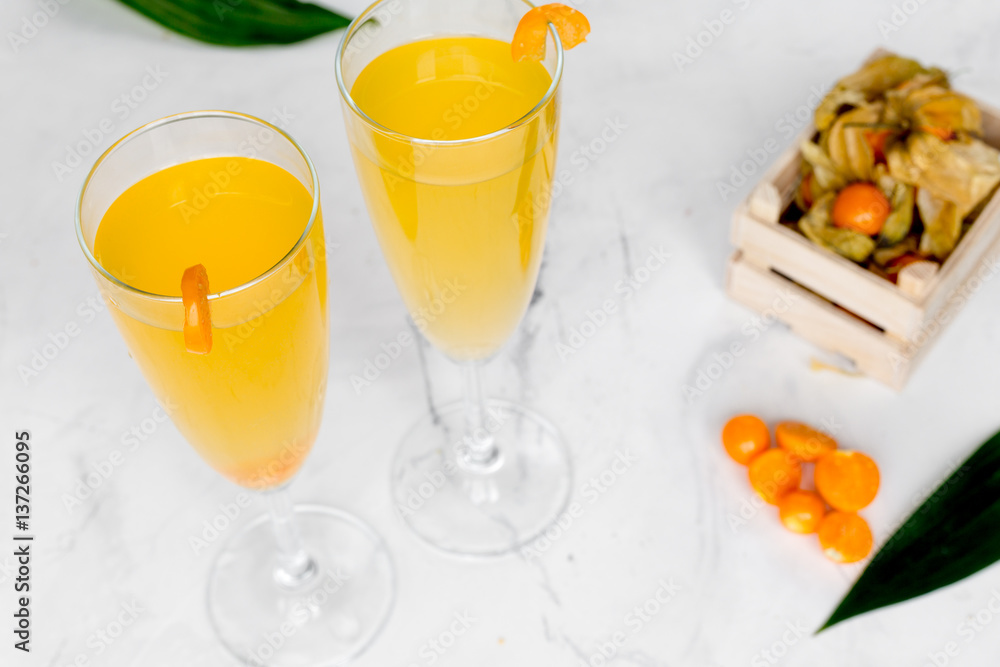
954,534
241,22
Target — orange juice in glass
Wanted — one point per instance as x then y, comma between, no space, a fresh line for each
240,198
454,144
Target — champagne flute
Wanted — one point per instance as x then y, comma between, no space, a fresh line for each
304,585
454,146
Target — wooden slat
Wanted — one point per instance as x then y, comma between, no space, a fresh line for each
874,353
836,278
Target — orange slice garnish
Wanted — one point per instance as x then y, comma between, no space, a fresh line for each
197,316
529,38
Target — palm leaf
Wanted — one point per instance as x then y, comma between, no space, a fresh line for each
241,22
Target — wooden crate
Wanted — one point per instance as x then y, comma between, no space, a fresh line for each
882,328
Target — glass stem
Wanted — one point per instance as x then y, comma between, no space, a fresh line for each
295,568
479,451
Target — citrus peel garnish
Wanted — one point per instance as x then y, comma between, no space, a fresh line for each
197,316
529,38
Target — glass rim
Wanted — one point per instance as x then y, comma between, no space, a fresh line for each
180,117
345,94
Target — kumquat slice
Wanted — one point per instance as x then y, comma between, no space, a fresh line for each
529,38
197,316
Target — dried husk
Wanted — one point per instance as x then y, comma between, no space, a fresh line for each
963,172
834,100
847,144
882,256
805,173
942,224
883,73
935,106
826,174
900,195
867,83
818,227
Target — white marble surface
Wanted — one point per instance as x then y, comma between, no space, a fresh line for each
655,186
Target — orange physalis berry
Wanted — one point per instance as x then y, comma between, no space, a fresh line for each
744,437
845,537
861,207
942,133
876,140
197,316
805,188
803,441
847,480
529,38
774,473
801,511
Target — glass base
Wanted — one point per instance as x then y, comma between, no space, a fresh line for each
492,511
327,621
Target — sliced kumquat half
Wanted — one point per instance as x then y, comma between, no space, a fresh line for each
529,37
845,537
775,473
803,440
744,437
849,481
801,511
197,316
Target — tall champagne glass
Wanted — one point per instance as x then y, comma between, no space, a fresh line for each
454,145
305,585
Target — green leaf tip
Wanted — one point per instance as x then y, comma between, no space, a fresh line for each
952,535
